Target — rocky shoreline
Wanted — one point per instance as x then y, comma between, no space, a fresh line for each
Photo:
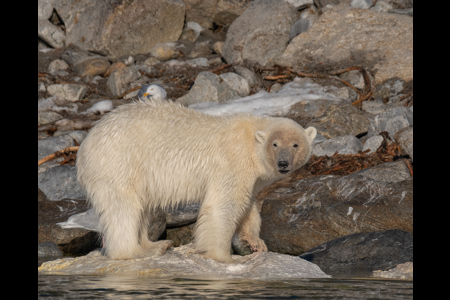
289,58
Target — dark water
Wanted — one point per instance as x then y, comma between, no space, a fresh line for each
122,287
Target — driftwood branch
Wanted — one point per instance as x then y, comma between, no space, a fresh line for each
221,68
408,164
276,77
57,154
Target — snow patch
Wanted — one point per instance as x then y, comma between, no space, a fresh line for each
270,104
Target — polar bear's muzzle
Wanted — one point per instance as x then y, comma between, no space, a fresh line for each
283,167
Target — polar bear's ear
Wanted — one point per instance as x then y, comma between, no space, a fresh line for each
311,132
260,136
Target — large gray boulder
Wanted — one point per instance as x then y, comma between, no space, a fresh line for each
260,34
115,27
60,183
345,36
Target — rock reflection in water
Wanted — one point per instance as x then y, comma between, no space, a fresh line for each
134,287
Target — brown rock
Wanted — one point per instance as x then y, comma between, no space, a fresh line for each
92,66
180,235
114,67
304,214
82,245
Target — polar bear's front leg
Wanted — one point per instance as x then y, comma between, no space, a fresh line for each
249,229
217,222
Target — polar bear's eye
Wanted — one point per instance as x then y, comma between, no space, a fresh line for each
275,145
295,145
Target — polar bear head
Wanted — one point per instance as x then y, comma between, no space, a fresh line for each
286,146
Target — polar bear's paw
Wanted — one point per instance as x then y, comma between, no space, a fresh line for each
257,245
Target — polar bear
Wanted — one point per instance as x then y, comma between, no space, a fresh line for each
155,155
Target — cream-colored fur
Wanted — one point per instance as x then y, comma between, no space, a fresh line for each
146,155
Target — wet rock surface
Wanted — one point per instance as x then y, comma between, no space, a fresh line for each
182,262
363,253
401,271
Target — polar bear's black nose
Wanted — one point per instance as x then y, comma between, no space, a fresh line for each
283,164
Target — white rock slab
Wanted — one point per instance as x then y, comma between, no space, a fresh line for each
182,262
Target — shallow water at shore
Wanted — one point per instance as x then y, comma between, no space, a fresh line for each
140,287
